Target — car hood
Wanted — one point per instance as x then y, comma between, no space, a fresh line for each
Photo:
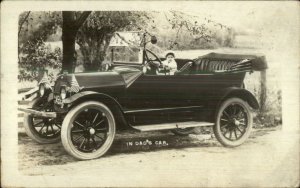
121,77
129,74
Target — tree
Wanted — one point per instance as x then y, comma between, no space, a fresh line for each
34,29
95,34
93,31
72,21
22,20
193,33
33,54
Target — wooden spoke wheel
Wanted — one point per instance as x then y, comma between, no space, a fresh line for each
40,129
88,130
233,122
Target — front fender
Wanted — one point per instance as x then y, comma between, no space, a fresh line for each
112,103
89,95
241,93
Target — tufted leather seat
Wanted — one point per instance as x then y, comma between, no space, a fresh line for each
206,65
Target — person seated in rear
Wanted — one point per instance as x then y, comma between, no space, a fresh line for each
170,65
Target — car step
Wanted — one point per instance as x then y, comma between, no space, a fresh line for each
167,126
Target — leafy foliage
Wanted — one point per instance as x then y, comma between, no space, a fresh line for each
182,32
34,55
193,33
271,115
38,25
95,34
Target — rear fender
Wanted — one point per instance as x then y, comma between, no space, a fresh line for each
109,101
242,94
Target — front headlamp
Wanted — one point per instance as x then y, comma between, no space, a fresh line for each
63,93
42,89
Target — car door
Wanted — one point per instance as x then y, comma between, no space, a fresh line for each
155,99
171,91
160,91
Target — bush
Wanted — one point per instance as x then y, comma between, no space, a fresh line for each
35,57
272,114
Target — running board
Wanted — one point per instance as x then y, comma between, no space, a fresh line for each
161,109
167,126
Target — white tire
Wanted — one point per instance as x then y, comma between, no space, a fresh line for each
233,122
40,129
88,130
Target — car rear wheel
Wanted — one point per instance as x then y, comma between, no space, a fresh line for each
183,132
40,129
88,130
233,122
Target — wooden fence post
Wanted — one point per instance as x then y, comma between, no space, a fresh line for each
263,90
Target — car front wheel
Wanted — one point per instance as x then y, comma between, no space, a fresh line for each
88,130
41,129
233,122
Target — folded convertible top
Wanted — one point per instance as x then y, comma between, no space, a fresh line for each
255,62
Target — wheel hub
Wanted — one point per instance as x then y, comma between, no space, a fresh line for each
92,131
236,122
233,123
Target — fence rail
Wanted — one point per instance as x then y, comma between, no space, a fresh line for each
24,98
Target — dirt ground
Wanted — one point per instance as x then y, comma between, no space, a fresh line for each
34,154
195,160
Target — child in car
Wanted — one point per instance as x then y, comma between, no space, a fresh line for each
170,64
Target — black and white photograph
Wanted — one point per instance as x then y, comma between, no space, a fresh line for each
150,93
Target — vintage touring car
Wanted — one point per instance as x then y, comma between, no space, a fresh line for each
84,110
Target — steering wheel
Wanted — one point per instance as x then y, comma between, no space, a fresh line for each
156,58
151,61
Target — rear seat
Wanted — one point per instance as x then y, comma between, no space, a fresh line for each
206,65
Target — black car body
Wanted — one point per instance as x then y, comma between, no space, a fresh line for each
206,91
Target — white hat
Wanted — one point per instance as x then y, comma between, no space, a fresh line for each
169,52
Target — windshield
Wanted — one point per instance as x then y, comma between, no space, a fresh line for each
124,54
132,39
125,47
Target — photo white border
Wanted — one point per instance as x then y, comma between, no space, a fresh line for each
10,11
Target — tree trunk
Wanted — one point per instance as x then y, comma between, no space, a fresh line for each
69,31
68,39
